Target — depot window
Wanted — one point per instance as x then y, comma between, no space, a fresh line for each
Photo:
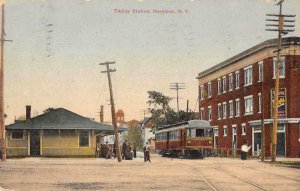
17,135
84,138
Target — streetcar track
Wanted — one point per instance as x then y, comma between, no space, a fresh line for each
205,179
242,179
278,175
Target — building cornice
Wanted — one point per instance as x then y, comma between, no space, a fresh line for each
272,43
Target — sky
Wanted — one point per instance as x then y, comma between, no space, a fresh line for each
57,46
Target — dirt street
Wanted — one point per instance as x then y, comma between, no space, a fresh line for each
161,174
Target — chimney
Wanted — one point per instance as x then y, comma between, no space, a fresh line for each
28,112
101,114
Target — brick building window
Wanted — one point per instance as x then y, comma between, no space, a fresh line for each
230,82
219,111
225,131
202,113
237,80
237,107
209,89
248,105
219,86
201,92
248,76
224,110
209,113
230,109
224,84
259,103
243,129
260,71
281,67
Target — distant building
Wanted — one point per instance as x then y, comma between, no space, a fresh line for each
121,123
59,132
147,133
236,96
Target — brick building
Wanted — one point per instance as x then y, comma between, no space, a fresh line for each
236,96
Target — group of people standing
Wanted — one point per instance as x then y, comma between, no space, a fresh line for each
104,150
127,151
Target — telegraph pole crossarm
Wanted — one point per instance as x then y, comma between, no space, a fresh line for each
116,131
177,86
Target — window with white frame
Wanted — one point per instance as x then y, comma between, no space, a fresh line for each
224,110
224,130
237,107
281,67
248,105
260,71
237,80
219,111
259,103
209,89
230,82
216,132
243,129
230,108
202,113
248,76
224,84
201,92
219,86
209,113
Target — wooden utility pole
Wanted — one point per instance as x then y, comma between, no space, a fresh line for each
177,86
2,90
113,113
101,114
281,31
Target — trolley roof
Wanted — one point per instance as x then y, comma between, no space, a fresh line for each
192,124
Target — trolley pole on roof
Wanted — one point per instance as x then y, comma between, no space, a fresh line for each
279,27
113,116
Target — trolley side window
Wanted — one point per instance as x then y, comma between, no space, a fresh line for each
174,135
161,136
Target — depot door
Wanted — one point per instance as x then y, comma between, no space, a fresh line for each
34,143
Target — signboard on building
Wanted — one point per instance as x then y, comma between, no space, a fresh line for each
281,102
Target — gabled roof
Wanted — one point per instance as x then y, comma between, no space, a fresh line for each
145,120
61,119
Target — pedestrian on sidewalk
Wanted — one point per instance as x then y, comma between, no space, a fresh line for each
134,150
244,150
147,153
115,150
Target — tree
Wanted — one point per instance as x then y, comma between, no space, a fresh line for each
48,109
134,135
161,113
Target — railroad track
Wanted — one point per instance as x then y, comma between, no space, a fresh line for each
210,184
242,179
204,179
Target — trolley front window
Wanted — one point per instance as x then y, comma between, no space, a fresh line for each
198,132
